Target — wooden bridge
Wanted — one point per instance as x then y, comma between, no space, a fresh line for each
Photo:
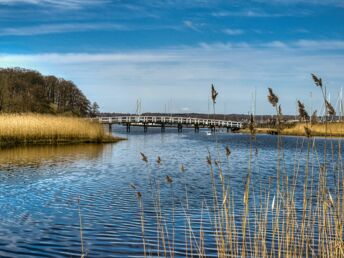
168,121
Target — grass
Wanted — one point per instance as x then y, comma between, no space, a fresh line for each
259,130
330,129
333,129
298,212
29,129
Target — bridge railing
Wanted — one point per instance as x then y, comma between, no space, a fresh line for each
169,120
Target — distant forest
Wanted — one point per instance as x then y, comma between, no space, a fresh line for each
23,90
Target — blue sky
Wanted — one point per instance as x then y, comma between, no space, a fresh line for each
167,53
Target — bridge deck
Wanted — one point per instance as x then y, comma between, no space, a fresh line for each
151,120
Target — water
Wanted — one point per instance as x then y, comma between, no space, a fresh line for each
42,190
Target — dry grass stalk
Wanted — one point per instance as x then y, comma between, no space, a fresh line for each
314,118
209,160
228,151
252,126
81,230
308,131
281,222
279,119
139,198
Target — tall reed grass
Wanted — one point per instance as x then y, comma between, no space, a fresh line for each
296,213
332,129
17,129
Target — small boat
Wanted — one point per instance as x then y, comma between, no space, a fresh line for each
208,133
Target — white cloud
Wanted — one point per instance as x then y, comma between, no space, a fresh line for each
309,2
191,25
80,58
276,44
233,32
72,4
248,13
320,44
57,28
184,74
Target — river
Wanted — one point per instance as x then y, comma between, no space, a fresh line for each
45,191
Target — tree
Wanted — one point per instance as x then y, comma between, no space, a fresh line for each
23,90
94,109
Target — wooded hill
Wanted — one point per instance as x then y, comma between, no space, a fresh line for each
23,90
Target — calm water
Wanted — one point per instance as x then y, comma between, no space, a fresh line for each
40,188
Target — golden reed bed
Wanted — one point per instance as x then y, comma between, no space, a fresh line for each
17,129
331,129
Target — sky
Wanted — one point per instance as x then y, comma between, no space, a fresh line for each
167,53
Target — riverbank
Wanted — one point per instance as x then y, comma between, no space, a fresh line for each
334,129
35,129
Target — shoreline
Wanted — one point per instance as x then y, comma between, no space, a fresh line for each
299,131
47,142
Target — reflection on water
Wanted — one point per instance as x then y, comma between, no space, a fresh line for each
40,187
50,154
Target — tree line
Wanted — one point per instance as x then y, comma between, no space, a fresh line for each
23,90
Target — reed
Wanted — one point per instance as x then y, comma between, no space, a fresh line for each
25,129
329,129
81,230
297,213
333,129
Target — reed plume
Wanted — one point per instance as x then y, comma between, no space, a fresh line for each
273,99
228,151
317,81
144,157
214,94
169,180
158,160
139,195
303,115
330,109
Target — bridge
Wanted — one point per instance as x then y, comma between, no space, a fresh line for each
168,121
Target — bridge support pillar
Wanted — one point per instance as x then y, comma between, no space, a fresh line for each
228,129
196,128
162,127
145,128
212,128
110,128
128,127
180,128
